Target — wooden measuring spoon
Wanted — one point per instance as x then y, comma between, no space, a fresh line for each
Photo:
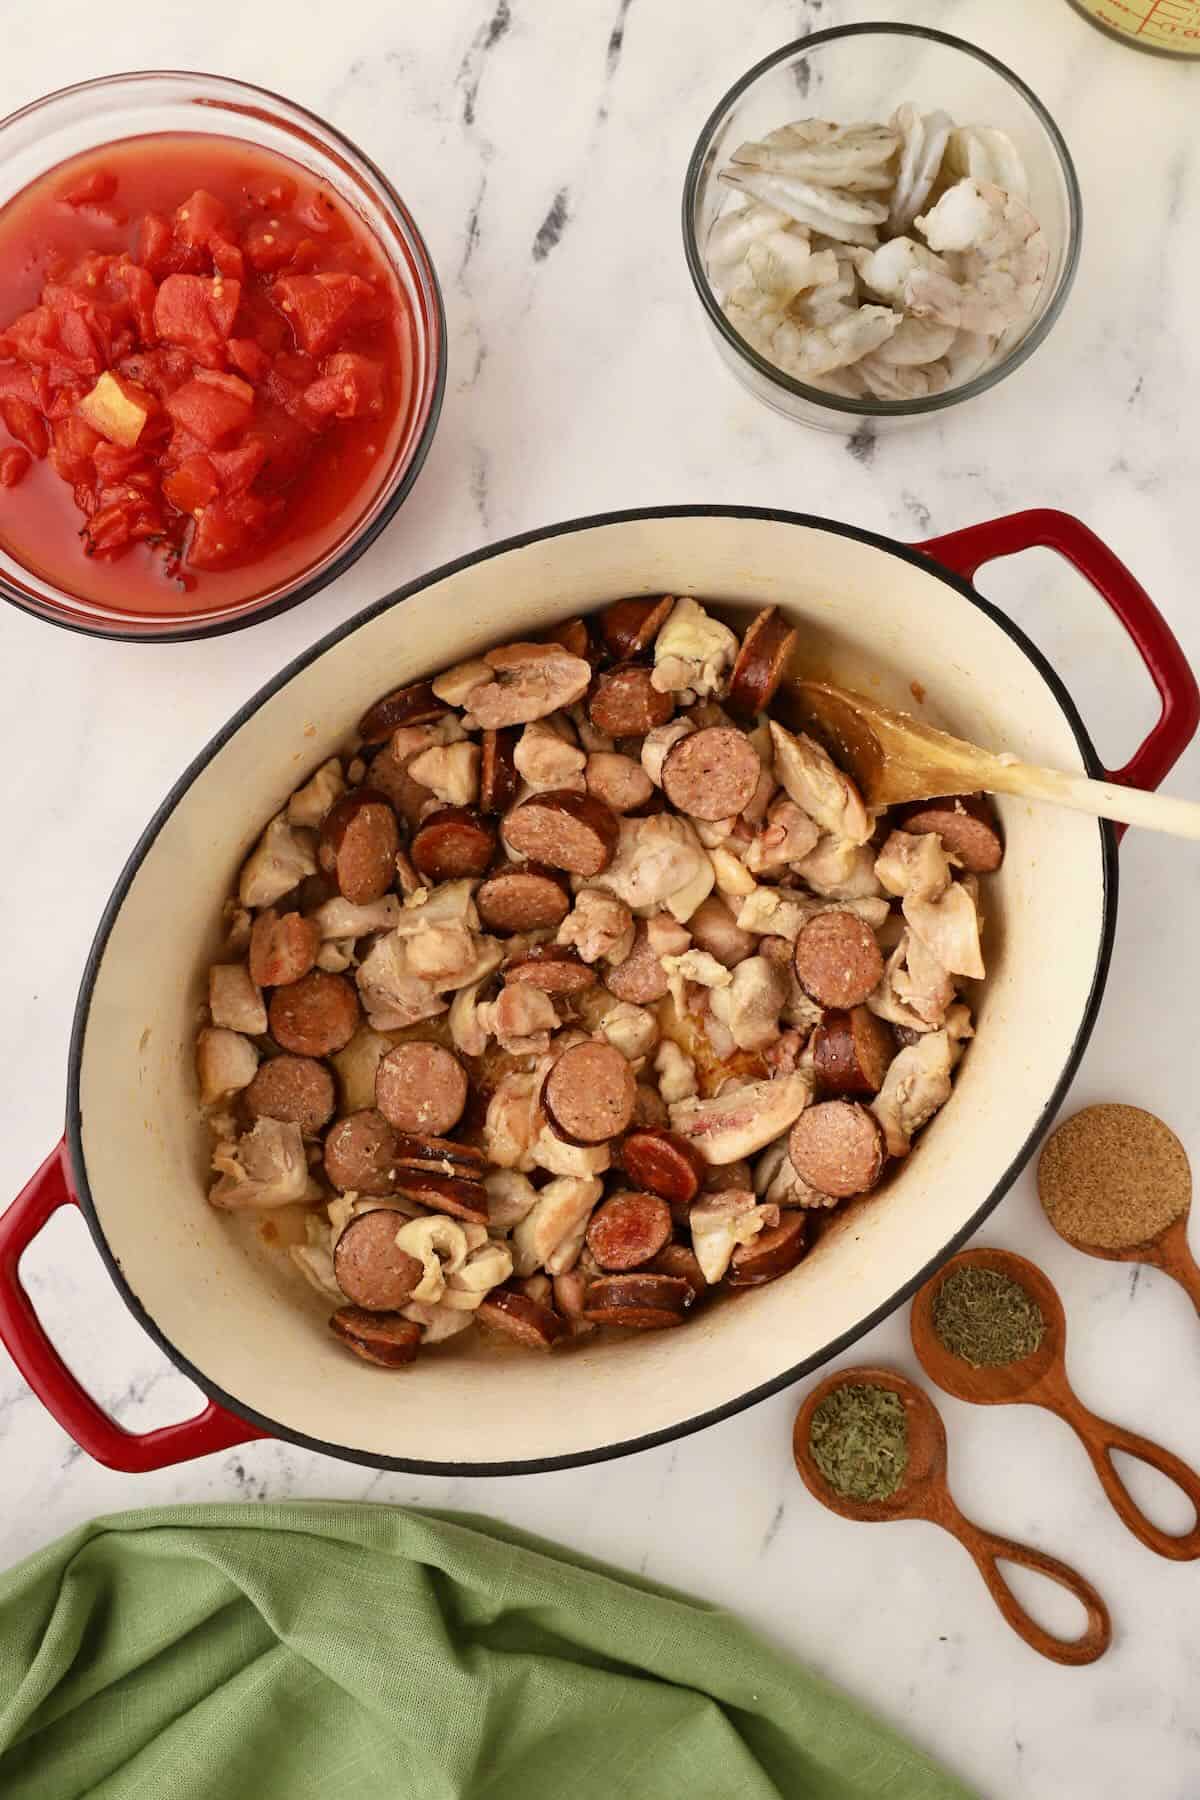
924,1494
1121,1150
1041,1380
894,757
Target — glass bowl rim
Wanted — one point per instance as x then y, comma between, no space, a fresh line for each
392,493
820,397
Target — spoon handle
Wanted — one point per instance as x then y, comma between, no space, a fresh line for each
1103,799
1174,1257
1100,1437
988,1550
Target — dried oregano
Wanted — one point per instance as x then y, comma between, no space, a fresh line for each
859,1440
987,1318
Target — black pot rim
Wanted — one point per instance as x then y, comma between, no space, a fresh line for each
699,1421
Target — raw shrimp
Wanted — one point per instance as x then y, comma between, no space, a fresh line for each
889,270
808,350
925,138
916,342
831,299
851,157
987,155
1004,253
732,235
900,381
780,266
828,210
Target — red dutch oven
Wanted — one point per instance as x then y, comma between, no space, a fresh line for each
227,1308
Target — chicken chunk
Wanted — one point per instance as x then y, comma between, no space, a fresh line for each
450,772
546,758
840,870
916,1084
599,925
693,652
264,1168
513,1121
786,836
226,1062
282,857
392,993
676,1072
659,862
633,1030
739,1123
527,682
814,781
949,929
309,804
720,1223
913,864
521,1019
750,1006
557,1213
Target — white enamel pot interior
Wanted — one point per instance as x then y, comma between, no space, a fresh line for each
235,1316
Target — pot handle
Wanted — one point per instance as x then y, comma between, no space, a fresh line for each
133,1452
1042,527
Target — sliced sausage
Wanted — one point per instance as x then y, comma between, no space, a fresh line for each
527,898
762,662
282,950
314,1016
771,1254
453,842
294,1089
837,960
588,1095
643,1302
649,1107
358,844
371,1269
453,1194
569,831
678,1261
641,978
620,781
714,928
360,1154
499,782
421,1088
553,968
966,825
629,1230
837,1147
628,628
574,637
664,1163
852,1051
438,1155
415,705
711,774
389,776
625,703
517,1316
380,1338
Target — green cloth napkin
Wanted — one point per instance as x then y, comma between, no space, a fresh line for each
309,1651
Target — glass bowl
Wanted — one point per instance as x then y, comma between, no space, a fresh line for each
864,72
92,114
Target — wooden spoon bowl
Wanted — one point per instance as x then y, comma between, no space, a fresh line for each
1041,1380
923,1493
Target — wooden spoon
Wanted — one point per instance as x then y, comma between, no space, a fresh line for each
924,1494
1115,1152
1041,1380
894,757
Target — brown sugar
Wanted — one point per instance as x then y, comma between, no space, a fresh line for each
1113,1176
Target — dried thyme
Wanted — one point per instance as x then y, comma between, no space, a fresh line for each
987,1318
859,1440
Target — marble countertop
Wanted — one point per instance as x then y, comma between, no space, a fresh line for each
542,149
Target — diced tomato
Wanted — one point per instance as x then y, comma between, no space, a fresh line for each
288,445
72,448
239,469
321,214
227,259
198,313
226,528
25,423
350,387
248,358
200,218
65,399
97,184
193,484
270,243
123,516
321,308
270,191
155,242
212,406
84,335
136,286
25,383
162,371
14,466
